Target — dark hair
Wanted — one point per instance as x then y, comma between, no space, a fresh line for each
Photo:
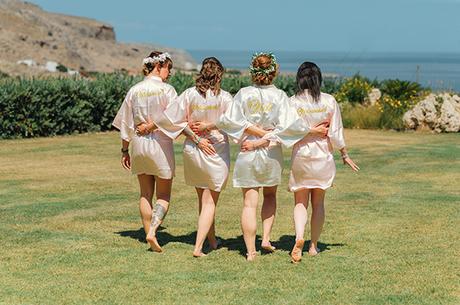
149,67
263,61
210,76
309,77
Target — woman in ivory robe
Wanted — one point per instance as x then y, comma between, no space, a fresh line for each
152,155
312,162
206,151
259,115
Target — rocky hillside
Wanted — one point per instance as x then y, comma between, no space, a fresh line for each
37,37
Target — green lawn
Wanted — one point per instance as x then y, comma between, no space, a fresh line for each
70,231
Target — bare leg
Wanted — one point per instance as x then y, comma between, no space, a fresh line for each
249,220
147,187
300,220
212,231
206,219
300,212
268,216
317,218
159,211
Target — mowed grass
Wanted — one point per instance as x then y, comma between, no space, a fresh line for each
70,230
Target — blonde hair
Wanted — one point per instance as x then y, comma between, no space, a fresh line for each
210,76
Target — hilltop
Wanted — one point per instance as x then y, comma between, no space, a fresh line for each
30,34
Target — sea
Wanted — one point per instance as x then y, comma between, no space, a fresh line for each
439,71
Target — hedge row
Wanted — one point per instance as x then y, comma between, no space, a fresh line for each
48,107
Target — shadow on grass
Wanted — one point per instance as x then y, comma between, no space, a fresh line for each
163,237
286,242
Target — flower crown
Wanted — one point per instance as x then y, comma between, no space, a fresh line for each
160,58
267,70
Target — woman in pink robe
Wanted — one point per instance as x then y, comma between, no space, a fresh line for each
312,162
142,124
206,150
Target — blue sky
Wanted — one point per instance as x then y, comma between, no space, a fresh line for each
296,25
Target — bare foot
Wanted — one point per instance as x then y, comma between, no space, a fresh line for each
313,251
153,242
268,247
198,254
251,256
296,253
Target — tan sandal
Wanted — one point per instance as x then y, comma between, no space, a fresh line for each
296,253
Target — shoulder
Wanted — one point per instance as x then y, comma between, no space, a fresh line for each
327,97
294,98
225,94
137,87
248,89
167,86
190,91
329,100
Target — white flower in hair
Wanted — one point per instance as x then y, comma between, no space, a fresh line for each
160,58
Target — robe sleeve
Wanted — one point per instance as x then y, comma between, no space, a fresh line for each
290,127
172,121
233,121
124,120
335,133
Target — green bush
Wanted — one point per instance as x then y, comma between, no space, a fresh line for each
47,107
354,90
398,96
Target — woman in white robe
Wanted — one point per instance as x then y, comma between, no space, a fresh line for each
312,162
258,116
206,150
152,155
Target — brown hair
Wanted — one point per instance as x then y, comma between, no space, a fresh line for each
210,76
263,62
149,67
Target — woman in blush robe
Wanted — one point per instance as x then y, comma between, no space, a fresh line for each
206,150
259,115
312,162
152,155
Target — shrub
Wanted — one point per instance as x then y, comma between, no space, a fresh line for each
354,90
398,96
56,106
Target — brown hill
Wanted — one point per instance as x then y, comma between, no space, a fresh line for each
29,33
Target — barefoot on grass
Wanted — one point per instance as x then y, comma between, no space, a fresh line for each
251,256
153,242
296,253
313,251
267,247
199,254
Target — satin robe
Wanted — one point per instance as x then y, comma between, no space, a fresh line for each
202,170
312,162
152,154
268,108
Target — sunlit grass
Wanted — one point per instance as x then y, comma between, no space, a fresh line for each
71,234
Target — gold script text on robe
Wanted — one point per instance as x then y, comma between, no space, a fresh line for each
304,111
256,106
141,94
